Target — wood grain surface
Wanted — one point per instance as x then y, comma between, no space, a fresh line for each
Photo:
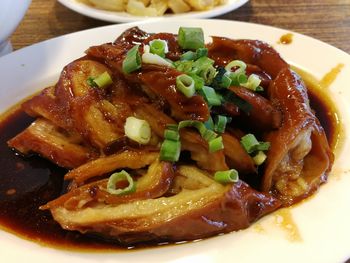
327,20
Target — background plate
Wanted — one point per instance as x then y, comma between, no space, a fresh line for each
125,17
323,220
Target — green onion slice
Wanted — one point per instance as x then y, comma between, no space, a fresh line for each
259,158
186,85
201,52
118,177
252,83
190,38
189,55
249,142
159,47
209,94
103,80
137,130
170,150
238,65
220,123
132,60
216,144
208,74
171,135
198,81
224,177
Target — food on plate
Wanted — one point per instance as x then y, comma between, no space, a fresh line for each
167,138
154,7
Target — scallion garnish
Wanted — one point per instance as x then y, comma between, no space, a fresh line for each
209,124
249,143
216,144
236,66
174,127
259,158
118,177
201,52
252,83
149,58
137,130
198,81
101,81
189,55
159,47
170,150
209,94
220,123
132,60
190,38
222,79
252,145
225,177
171,135
208,74
186,85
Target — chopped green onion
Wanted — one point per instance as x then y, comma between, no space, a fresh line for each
90,82
209,124
249,142
259,158
216,144
201,52
189,55
198,81
132,60
159,47
190,38
185,84
222,79
209,135
263,146
170,151
259,89
224,177
171,135
174,127
208,74
118,177
103,80
239,66
204,132
211,96
137,130
184,65
149,58
202,63
252,83
220,124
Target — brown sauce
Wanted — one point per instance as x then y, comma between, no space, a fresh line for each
29,182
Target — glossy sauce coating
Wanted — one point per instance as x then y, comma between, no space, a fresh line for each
27,183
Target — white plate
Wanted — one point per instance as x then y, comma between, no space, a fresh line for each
323,221
111,16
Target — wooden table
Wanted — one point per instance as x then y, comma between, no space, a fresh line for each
327,20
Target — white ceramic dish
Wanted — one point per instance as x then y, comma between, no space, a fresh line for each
323,221
125,17
11,14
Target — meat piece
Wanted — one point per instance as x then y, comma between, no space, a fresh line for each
153,184
59,146
104,165
263,116
188,215
299,157
223,50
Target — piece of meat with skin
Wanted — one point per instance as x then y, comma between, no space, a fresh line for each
263,116
188,215
51,142
153,184
255,52
297,144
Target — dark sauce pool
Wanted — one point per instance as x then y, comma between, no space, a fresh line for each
29,182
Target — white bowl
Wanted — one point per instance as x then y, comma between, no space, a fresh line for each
11,14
